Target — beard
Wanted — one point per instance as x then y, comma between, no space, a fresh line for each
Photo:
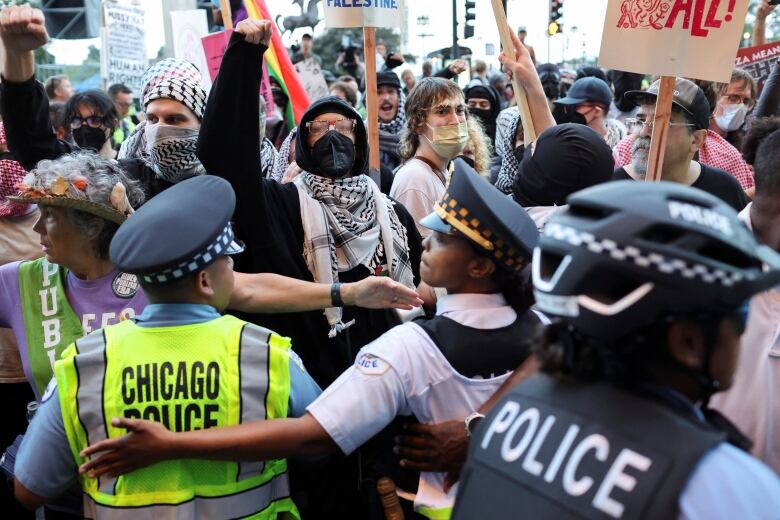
640,154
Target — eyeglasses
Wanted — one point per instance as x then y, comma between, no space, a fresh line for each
343,126
635,124
735,99
92,121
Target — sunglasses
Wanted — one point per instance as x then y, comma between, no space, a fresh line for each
92,122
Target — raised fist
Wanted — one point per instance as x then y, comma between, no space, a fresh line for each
255,31
22,28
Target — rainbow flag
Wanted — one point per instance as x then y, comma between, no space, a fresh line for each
279,66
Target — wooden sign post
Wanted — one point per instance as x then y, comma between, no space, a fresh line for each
509,50
663,113
386,14
227,14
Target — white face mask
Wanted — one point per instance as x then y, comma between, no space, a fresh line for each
732,117
449,140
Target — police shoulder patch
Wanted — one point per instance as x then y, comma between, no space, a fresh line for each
50,388
125,285
371,365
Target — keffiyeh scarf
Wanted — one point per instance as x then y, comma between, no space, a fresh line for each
282,160
267,157
509,165
399,123
346,223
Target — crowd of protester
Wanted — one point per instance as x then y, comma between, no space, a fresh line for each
208,313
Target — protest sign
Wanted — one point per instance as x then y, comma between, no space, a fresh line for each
509,50
758,61
368,14
364,13
690,38
310,74
123,55
188,27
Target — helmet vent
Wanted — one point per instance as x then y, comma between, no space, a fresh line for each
728,255
588,213
663,234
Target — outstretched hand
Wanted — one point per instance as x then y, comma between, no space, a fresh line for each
522,67
380,292
145,443
255,31
22,29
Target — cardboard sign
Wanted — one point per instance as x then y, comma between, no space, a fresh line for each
188,27
758,61
364,13
690,38
123,56
312,79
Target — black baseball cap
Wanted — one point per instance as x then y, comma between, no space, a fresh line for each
589,89
388,78
688,97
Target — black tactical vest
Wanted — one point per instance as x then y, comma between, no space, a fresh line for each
482,353
553,450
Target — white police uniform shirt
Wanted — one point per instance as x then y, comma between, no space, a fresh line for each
403,372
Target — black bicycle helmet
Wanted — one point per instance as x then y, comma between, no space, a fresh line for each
626,254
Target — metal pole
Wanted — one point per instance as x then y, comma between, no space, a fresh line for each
455,50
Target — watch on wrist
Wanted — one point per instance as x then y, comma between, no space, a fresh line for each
471,422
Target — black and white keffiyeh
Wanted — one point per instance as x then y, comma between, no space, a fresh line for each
268,156
349,222
283,158
505,148
399,123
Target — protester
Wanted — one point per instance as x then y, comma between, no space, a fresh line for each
436,132
247,368
18,241
57,117
427,69
550,76
408,79
485,104
479,72
344,91
757,375
122,98
736,99
477,152
59,88
587,103
306,51
392,117
687,132
644,337
622,82
450,71
522,33
436,369
510,148
760,129
564,159
765,8
499,83
160,152
268,153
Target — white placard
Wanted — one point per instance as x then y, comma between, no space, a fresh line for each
310,74
188,27
123,56
690,38
364,13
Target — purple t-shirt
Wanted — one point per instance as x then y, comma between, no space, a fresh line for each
97,303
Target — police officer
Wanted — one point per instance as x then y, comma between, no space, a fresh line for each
179,363
648,283
437,369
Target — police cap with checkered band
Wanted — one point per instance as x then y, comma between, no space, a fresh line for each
179,232
474,209
626,254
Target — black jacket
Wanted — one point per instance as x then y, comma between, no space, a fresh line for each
268,217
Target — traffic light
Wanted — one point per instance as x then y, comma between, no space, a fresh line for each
556,15
471,15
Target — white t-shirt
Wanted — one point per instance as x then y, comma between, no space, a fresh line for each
418,188
403,373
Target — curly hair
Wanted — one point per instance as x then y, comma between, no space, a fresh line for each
101,175
480,144
424,95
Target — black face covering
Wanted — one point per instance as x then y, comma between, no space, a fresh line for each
88,137
335,155
519,151
567,114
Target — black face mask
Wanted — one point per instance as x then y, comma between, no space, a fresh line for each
88,137
335,155
519,152
481,114
567,114
467,160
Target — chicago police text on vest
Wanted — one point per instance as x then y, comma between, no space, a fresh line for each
151,392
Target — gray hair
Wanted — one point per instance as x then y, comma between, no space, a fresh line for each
101,175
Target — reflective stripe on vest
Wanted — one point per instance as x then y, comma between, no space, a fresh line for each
434,513
227,372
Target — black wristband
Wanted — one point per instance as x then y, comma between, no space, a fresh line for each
335,295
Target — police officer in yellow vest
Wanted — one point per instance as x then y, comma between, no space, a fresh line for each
179,363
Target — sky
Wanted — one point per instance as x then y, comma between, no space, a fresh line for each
586,15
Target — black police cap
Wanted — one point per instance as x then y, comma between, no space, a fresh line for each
476,210
178,232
